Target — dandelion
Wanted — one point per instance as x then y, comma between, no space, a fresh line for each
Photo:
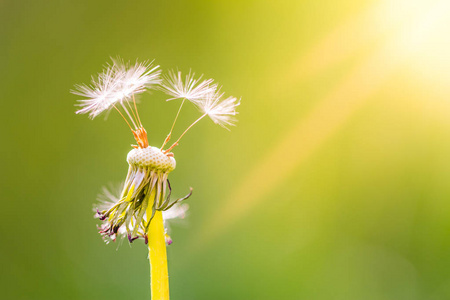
144,203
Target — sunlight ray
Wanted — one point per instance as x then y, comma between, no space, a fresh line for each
300,142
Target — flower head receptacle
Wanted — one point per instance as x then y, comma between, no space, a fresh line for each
147,185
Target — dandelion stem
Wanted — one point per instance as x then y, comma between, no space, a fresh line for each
159,278
187,129
173,125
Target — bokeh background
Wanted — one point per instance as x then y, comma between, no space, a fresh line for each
334,184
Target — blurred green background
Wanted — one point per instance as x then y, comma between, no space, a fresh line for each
334,184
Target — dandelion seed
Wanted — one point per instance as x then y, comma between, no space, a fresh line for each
134,79
100,94
117,83
191,89
222,112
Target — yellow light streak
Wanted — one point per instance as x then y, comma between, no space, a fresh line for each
302,140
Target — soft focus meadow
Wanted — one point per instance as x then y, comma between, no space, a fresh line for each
333,185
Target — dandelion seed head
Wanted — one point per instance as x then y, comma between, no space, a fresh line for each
151,157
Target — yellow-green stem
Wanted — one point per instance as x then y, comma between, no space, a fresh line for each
159,277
